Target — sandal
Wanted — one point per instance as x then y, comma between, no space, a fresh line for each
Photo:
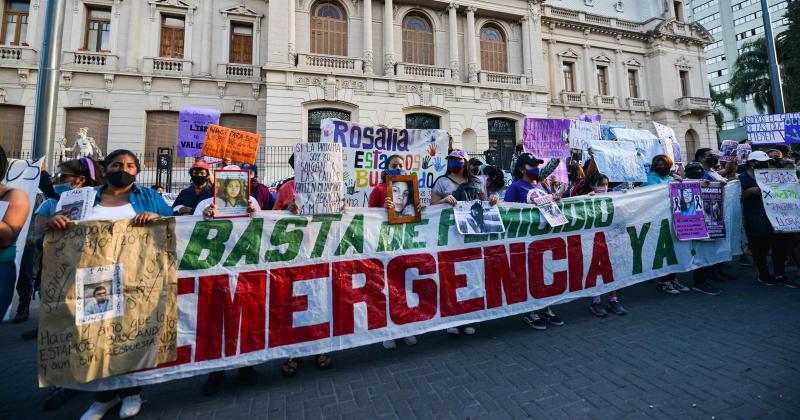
290,367
324,362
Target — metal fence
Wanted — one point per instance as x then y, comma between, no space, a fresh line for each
272,163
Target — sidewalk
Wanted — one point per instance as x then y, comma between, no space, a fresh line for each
731,356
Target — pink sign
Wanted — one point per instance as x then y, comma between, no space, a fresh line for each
688,218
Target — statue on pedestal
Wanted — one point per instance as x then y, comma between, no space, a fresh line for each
84,146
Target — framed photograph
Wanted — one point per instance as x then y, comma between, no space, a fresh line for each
231,193
403,191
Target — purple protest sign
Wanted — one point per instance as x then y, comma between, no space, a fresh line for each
547,138
713,210
192,125
687,211
727,150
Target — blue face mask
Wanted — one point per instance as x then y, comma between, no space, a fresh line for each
62,188
396,172
533,172
455,165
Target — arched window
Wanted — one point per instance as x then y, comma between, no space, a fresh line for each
417,39
328,29
422,121
493,49
315,117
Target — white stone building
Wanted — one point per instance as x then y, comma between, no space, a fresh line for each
474,68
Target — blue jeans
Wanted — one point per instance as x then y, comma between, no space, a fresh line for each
8,277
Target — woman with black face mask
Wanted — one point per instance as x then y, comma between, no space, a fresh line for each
120,198
760,235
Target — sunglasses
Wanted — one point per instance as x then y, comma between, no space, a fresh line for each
61,176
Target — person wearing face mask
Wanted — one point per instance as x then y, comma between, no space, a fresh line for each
120,198
760,235
395,165
526,182
201,189
599,185
701,277
709,159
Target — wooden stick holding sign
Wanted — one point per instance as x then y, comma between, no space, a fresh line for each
224,142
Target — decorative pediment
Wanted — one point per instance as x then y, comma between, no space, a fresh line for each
569,53
682,63
241,10
172,3
632,62
602,58
175,6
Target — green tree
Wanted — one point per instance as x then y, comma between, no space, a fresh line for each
721,101
751,76
789,40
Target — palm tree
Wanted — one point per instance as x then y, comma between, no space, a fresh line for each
721,101
751,76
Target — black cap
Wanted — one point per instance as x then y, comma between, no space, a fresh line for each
528,159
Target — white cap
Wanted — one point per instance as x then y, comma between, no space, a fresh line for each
232,168
758,156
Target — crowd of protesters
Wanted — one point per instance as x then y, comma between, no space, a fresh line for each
120,197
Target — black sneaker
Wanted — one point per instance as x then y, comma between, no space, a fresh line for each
30,335
784,281
769,282
744,261
707,288
551,317
535,321
679,287
213,383
248,375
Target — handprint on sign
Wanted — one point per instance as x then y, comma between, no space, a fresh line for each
426,162
350,184
439,164
793,134
432,148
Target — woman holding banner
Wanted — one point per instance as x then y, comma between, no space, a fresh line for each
526,182
395,165
458,185
120,198
14,212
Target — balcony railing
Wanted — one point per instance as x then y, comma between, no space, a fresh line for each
573,98
693,105
423,71
337,64
605,101
89,60
637,103
559,13
235,71
167,66
17,56
501,78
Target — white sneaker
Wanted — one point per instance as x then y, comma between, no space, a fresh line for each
410,340
453,331
98,409
131,406
469,330
389,345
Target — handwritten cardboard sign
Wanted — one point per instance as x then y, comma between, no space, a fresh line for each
109,306
318,181
780,193
222,142
547,138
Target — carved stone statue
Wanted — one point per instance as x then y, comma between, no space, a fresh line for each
85,146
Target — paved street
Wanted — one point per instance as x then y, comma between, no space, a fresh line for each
731,356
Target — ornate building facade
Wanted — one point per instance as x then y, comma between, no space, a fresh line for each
277,67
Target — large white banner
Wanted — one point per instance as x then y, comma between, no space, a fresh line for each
645,142
280,285
366,150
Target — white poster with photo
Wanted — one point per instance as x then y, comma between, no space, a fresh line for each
98,293
645,142
77,204
319,175
581,133
552,213
618,160
477,217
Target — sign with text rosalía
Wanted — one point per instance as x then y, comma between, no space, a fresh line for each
773,128
367,149
781,196
280,285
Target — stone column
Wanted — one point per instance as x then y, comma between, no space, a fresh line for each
589,81
131,52
292,34
538,61
526,48
555,74
472,55
621,90
368,59
455,65
205,38
388,38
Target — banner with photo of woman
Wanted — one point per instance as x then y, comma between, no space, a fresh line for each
367,149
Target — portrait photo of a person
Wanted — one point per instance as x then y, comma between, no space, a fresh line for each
403,199
98,302
232,193
476,223
686,202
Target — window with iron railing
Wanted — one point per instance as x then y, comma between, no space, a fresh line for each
422,121
602,80
172,33
315,117
633,83
568,70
